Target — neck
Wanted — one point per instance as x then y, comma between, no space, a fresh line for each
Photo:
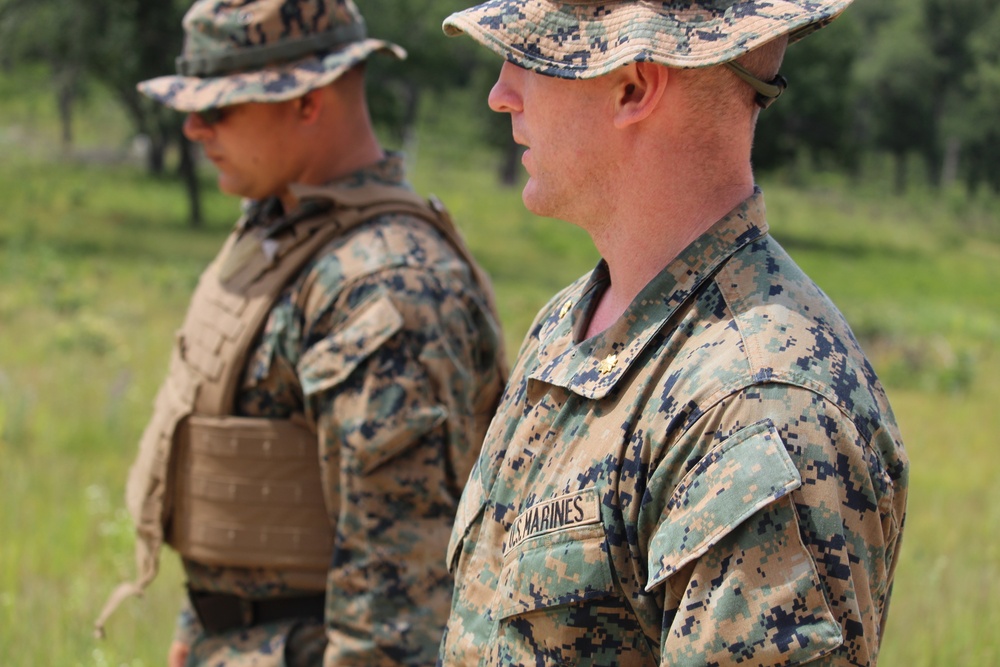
654,215
335,151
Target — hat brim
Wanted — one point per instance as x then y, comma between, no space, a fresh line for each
579,41
272,84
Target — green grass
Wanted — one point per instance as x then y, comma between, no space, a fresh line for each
97,264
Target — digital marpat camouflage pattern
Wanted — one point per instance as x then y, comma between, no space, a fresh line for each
400,421
716,479
262,646
237,51
579,39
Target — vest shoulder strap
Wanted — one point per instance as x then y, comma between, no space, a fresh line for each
250,292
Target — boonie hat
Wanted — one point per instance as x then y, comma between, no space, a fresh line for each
580,39
237,51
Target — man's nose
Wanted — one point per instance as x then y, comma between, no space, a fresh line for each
194,128
505,96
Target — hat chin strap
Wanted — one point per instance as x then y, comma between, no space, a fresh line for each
767,91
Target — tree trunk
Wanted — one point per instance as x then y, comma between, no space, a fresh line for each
409,132
949,168
66,118
156,157
189,174
148,124
511,162
900,176
66,89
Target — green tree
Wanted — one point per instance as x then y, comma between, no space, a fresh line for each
913,77
952,23
117,43
816,116
140,40
53,34
896,75
975,121
434,63
438,68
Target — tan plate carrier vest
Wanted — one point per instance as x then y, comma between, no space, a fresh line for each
240,491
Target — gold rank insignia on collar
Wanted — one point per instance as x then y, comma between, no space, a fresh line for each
607,364
566,307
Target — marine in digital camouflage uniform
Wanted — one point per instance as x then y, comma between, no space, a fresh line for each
385,345
693,462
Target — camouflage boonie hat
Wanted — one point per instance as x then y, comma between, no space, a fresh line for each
580,39
239,51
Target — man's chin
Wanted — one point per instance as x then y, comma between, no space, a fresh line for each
534,200
228,187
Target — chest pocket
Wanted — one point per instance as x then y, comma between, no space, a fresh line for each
561,568
331,361
557,600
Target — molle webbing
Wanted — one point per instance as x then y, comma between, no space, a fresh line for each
206,369
251,291
248,493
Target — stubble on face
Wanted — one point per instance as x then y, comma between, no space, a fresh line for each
561,123
251,151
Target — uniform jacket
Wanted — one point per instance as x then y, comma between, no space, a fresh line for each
715,479
388,347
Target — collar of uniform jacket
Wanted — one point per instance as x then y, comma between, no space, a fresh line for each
591,368
390,170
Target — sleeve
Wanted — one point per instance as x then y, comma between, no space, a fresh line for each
778,546
390,389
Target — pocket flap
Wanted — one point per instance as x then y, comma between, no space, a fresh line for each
332,360
564,566
747,472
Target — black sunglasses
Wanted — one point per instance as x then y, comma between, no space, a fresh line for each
212,115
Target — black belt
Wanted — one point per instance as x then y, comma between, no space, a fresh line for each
219,612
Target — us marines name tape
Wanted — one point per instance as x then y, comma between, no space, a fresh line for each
576,509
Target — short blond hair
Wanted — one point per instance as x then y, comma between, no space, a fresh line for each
717,92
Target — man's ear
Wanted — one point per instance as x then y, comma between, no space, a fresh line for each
638,92
310,105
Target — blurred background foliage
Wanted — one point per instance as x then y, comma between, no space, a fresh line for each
881,170
917,81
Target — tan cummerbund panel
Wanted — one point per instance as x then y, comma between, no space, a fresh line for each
249,495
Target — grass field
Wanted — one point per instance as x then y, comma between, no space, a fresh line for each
97,263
